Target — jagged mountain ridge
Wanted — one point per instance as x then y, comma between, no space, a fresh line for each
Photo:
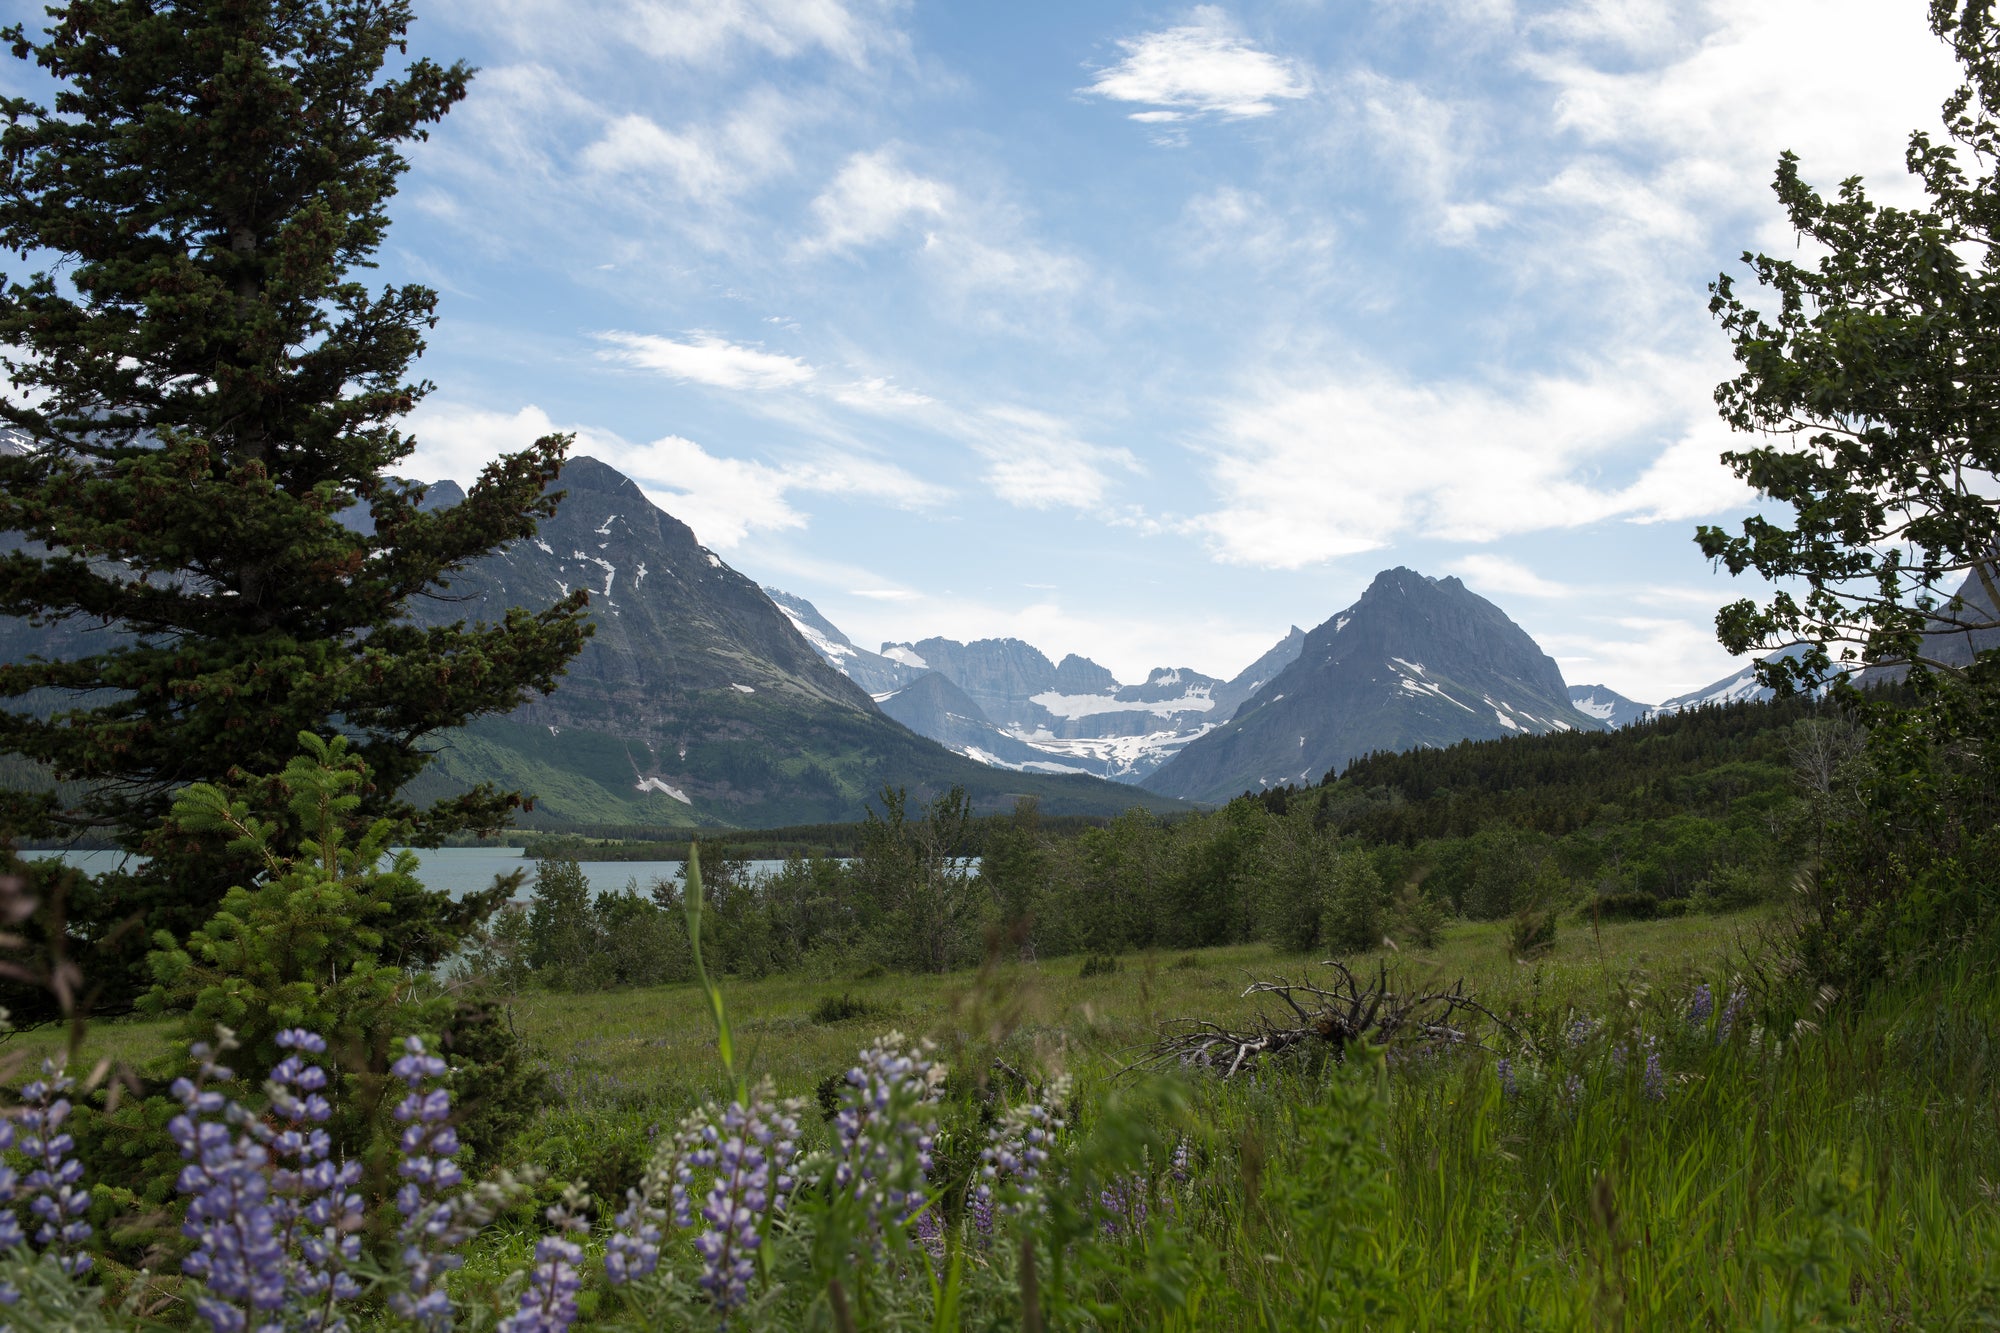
1415,662
1011,707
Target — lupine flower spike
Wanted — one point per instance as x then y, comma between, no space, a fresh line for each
53,1186
429,1232
882,1133
549,1303
751,1151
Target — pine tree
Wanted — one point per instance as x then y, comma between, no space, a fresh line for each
206,394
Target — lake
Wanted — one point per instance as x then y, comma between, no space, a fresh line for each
462,870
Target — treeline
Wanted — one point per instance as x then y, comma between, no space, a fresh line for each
1709,810
773,844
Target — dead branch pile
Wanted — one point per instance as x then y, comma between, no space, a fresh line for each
1320,1019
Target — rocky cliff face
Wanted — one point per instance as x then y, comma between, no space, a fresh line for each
1415,662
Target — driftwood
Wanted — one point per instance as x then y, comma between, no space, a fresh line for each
1322,1020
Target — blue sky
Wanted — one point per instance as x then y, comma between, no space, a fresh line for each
1143,331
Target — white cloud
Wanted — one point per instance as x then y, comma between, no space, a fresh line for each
1203,67
1035,460
706,165
1490,574
692,32
879,395
1340,463
871,200
970,266
707,359
1643,658
723,499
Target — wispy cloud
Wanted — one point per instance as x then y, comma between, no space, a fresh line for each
1037,461
1205,67
692,32
871,200
707,359
1339,462
1487,573
724,499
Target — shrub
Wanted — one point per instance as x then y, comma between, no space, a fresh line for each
840,1008
1353,919
1187,962
1098,965
1628,905
1420,917
1531,932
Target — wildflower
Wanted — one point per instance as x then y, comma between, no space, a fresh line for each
549,1303
930,1235
1124,1205
1701,1006
237,1254
1731,1011
1505,1068
1618,1057
1573,1090
751,1151
315,1208
1017,1148
1654,1080
430,1232
1179,1167
1580,1030
52,1184
882,1137
979,1207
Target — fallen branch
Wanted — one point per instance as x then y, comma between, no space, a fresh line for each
1323,1019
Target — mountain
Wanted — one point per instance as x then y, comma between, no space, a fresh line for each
1739,687
1953,647
1607,705
873,672
1415,662
1071,716
697,702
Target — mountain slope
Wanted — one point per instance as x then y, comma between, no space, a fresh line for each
1415,662
697,701
1608,706
873,672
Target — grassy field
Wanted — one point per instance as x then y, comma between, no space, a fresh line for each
1632,1164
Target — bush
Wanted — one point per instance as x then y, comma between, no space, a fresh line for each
840,1008
1531,932
1625,906
1353,919
1187,962
1420,917
1098,965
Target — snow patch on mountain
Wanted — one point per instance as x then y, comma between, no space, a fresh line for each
659,785
896,652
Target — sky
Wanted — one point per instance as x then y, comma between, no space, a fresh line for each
1144,331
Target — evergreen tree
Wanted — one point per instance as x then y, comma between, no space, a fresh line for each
209,395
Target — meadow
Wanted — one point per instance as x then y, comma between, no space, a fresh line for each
1641,1141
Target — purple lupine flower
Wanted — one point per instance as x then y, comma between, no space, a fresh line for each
10,1225
1124,1205
1580,1030
1573,1090
1017,1147
53,1184
1180,1165
318,1213
429,1233
1654,1079
882,1135
237,1255
1505,1068
979,1207
549,1303
930,1235
751,1150
1731,1011
1701,1006
1618,1057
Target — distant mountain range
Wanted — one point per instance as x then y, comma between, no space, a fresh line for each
1002,702
704,700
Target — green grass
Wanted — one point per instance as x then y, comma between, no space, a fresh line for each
1838,1169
